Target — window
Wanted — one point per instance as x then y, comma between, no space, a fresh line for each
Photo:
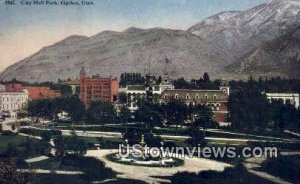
165,96
187,96
176,96
215,97
206,97
197,97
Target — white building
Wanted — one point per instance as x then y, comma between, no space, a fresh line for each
13,101
287,98
135,92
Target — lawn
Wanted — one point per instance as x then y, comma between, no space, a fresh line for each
13,139
55,178
52,163
285,167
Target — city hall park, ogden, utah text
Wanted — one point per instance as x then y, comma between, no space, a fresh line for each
49,2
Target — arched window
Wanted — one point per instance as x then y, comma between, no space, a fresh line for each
187,96
176,96
206,96
215,97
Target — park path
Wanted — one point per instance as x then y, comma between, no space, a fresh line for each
44,171
151,174
174,137
36,159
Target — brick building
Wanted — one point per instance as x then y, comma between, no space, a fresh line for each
97,88
40,92
215,99
13,87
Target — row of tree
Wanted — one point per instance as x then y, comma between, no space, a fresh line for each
250,109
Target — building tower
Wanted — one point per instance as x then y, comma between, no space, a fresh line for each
82,93
225,87
166,79
150,83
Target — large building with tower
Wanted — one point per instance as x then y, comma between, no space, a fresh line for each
97,88
150,91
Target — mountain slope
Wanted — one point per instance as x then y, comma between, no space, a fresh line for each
240,32
226,40
111,53
280,56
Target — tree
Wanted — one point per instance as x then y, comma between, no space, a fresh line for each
102,113
122,98
9,173
204,116
197,136
175,112
149,114
206,77
124,116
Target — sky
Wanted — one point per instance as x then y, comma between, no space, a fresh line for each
25,29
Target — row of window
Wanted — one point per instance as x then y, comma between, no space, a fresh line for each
12,106
176,96
11,99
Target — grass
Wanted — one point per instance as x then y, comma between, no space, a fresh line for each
285,167
77,179
237,174
52,163
55,178
13,139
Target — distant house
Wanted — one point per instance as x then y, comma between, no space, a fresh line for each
40,92
287,98
13,97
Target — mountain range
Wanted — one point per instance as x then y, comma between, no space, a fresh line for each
261,41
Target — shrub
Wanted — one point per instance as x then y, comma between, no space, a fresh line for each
8,133
94,169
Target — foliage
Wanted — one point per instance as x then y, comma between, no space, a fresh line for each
202,83
131,79
70,145
94,169
237,174
122,97
286,167
101,113
250,109
9,173
175,112
197,136
50,107
149,114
